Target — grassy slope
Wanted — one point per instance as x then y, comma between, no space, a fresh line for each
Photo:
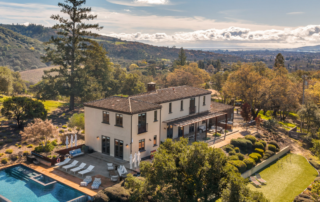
285,125
286,182
34,75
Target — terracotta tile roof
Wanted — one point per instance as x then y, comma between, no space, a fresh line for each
171,94
123,104
219,107
147,101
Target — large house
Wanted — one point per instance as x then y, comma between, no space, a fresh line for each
120,126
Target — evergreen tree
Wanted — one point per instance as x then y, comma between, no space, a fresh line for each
182,58
70,45
279,61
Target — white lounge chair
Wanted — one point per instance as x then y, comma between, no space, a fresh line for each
73,164
122,171
259,178
74,170
86,181
88,170
66,161
110,166
96,183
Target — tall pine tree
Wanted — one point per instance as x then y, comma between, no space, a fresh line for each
70,46
182,58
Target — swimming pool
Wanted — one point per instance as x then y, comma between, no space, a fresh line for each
16,185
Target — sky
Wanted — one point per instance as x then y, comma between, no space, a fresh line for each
199,24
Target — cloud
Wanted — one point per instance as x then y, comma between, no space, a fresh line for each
307,34
127,10
140,3
152,1
295,13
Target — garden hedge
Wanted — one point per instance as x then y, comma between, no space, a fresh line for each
259,145
273,148
240,156
260,151
242,143
233,158
237,150
249,162
255,156
274,143
251,138
228,147
268,154
232,152
264,143
242,167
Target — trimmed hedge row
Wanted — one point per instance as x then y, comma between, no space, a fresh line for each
242,143
242,167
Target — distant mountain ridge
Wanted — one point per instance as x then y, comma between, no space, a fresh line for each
117,48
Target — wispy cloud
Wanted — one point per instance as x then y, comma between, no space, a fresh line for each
152,1
140,3
295,13
127,10
310,33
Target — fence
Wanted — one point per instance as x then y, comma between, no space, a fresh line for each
265,163
46,159
66,151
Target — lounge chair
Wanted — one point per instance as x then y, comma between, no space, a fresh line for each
74,170
262,181
88,170
86,181
110,166
122,171
254,181
73,164
66,161
96,183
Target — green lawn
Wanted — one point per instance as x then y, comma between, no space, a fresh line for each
286,182
51,105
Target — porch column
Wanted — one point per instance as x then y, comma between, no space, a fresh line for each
206,127
225,128
183,132
195,131
216,124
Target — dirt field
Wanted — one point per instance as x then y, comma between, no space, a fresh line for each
34,75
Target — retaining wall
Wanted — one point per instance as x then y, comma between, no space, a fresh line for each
265,163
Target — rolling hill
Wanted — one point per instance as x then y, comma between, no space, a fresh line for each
20,52
117,48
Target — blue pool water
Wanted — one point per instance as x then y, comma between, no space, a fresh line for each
16,186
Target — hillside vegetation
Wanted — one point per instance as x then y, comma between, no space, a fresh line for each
34,75
19,52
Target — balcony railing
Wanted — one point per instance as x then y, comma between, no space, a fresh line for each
192,110
142,128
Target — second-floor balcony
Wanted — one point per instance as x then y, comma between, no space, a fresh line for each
142,128
192,110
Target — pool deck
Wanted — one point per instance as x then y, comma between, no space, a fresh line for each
70,180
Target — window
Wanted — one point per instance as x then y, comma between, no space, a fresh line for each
119,120
105,118
142,123
204,100
155,116
181,105
141,145
170,107
155,140
204,121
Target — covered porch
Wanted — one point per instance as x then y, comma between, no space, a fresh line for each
196,127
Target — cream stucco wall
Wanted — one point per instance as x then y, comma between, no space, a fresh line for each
95,128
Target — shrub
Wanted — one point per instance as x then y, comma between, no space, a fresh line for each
228,147
82,132
255,156
25,153
9,151
69,129
249,162
14,157
233,157
1,154
259,151
242,167
54,143
237,150
312,162
16,144
242,143
25,142
259,145
4,160
34,67
240,156
42,138
264,143
1,143
54,156
64,126
61,131
76,120
30,146
274,143
49,157
273,148
268,154
232,152
19,146
251,138
217,134
4,137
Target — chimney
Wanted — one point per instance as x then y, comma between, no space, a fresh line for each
151,86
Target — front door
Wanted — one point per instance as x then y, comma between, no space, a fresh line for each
170,131
118,149
181,131
105,145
